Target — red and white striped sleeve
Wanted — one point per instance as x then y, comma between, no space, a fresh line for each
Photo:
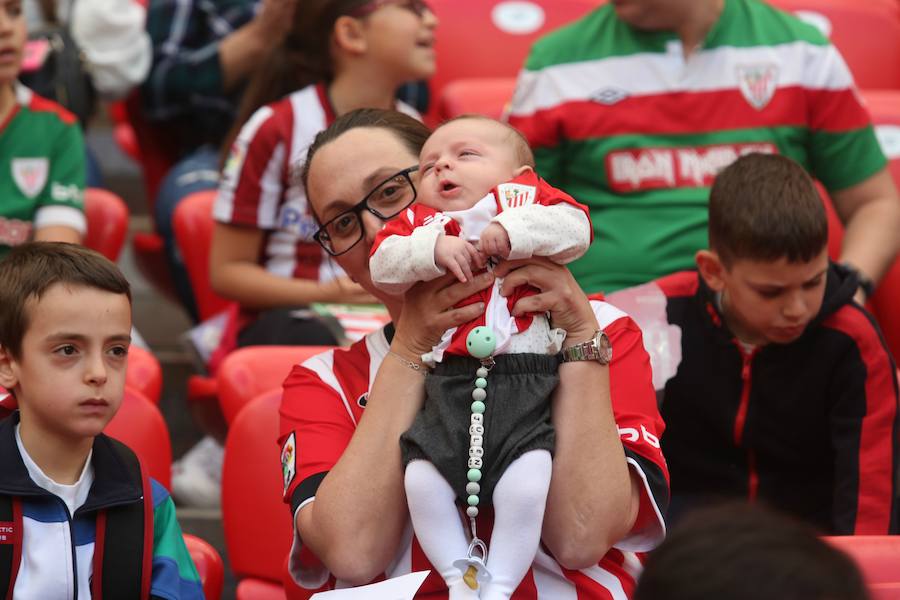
639,422
256,173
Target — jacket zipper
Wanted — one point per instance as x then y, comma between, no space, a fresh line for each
72,548
740,420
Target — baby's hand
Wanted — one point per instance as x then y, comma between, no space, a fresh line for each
495,241
457,256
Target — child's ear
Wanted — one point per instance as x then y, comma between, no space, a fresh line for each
711,269
523,169
349,35
8,377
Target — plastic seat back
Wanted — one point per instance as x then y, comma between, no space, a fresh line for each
884,106
140,426
257,523
487,96
492,38
193,224
209,565
144,373
867,33
878,557
107,222
248,372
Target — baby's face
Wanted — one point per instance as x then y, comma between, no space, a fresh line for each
462,161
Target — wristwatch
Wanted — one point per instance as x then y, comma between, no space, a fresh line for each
598,348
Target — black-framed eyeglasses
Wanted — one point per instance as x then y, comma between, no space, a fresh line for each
419,7
387,200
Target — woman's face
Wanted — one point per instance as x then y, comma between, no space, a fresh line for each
342,172
12,39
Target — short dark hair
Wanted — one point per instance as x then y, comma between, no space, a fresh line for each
409,131
765,207
743,552
524,155
29,270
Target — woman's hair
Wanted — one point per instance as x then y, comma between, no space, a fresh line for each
303,58
743,552
407,130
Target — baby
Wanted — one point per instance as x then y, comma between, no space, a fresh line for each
480,200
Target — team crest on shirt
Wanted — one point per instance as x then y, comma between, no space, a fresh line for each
514,195
757,83
289,461
30,175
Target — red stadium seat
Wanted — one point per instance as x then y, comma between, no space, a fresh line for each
141,426
248,372
258,589
491,38
193,224
878,557
487,96
866,32
209,565
884,107
144,373
257,524
107,222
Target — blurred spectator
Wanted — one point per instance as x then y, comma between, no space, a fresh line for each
109,33
203,54
42,153
739,552
634,108
108,54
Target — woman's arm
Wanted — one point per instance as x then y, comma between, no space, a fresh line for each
359,513
594,498
235,273
57,233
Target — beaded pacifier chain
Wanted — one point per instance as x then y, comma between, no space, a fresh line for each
480,344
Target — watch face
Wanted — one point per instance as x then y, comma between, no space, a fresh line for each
604,348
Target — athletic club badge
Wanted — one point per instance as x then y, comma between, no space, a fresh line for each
289,461
513,195
30,175
757,83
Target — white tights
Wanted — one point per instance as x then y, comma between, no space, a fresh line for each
519,500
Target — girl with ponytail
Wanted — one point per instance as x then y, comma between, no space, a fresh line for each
339,56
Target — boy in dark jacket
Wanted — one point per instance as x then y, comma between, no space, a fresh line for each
786,393
78,516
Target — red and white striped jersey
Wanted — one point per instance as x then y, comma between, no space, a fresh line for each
325,398
259,187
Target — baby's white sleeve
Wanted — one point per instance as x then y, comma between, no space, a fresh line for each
400,261
561,232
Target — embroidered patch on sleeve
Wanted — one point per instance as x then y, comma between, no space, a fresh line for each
513,195
289,461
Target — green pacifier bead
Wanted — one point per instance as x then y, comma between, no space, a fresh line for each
472,500
481,342
474,475
481,382
478,407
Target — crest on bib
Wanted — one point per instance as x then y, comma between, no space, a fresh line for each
757,83
30,175
513,195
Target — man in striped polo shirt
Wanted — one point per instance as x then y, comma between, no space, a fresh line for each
634,108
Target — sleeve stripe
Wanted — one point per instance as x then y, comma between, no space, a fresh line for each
876,503
306,489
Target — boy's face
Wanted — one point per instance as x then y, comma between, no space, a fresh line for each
69,377
462,161
12,39
768,302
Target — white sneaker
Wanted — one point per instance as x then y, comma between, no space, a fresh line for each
197,476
